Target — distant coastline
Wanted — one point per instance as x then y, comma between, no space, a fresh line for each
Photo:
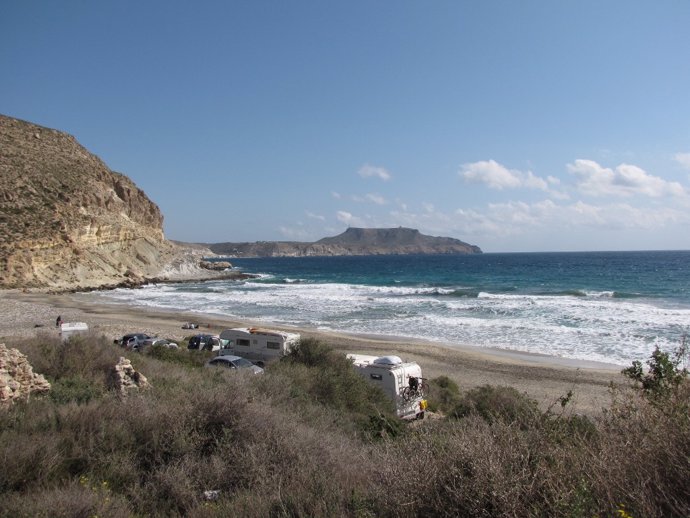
354,241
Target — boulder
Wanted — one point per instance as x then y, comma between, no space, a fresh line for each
17,378
215,265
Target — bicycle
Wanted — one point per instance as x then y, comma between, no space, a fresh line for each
417,387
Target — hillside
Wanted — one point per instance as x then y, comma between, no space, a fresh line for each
354,241
68,221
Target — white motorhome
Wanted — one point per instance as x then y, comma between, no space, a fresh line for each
260,346
68,329
401,381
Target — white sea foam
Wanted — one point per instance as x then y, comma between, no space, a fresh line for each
597,326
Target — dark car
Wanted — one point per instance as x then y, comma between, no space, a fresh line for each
204,343
134,340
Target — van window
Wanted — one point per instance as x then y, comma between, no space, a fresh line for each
242,341
273,345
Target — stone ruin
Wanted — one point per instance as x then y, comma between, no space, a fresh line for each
124,378
17,378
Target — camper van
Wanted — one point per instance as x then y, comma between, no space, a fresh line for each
68,329
401,381
260,346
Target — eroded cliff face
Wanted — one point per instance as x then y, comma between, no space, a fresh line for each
66,220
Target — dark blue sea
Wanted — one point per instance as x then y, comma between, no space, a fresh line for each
611,307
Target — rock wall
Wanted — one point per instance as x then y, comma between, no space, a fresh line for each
17,378
124,378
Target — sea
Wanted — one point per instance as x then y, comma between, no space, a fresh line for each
610,307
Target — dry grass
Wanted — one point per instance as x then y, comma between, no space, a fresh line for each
293,443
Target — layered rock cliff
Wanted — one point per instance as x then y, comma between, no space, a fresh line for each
67,221
354,241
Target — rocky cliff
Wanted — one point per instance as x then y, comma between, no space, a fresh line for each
354,241
67,221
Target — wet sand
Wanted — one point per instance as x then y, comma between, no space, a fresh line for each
542,377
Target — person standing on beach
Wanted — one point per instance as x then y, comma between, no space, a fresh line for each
58,321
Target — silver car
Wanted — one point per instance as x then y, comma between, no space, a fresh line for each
234,362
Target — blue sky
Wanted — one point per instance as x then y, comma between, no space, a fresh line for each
516,126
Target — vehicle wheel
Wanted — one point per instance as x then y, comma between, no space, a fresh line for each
407,393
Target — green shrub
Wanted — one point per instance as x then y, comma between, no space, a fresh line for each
75,389
497,403
444,394
312,353
179,356
318,373
664,375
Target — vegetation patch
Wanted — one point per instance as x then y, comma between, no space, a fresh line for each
310,438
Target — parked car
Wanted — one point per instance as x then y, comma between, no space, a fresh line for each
204,343
234,362
133,340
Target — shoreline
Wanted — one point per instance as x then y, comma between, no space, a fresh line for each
542,377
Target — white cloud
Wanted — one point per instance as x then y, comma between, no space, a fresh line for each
336,195
683,159
343,217
315,216
369,198
349,219
624,180
545,224
491,173
497,176
367,171
376,198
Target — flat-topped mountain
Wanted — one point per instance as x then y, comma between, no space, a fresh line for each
67,221
354,241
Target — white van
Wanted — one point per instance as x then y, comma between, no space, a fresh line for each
260,346
401,381
68,329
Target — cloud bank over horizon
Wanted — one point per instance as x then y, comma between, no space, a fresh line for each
591,198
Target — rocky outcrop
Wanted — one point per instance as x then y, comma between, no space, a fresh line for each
354,241
68,222
18,381
219,266
124,379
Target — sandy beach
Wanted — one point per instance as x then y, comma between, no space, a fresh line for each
543,378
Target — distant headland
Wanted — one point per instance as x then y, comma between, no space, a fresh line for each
354,241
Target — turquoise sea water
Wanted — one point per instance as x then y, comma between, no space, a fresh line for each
605,306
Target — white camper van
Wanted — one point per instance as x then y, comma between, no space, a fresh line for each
257,345
68,329
401,381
